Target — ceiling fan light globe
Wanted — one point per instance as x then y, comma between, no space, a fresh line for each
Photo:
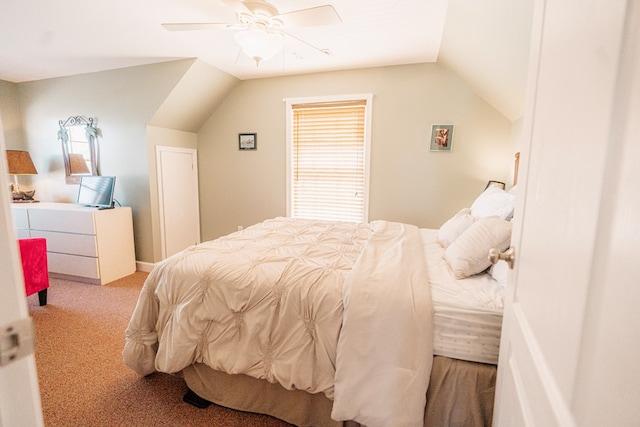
259,45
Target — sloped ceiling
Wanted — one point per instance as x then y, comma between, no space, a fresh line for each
201,90
486,43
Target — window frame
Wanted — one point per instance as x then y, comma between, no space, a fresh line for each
289,102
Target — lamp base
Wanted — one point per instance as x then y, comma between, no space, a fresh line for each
23,196
26,201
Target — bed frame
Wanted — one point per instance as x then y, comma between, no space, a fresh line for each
460,393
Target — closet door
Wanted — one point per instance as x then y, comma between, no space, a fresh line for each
178,198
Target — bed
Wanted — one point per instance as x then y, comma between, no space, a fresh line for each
324,323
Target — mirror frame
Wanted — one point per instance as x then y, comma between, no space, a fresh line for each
91,132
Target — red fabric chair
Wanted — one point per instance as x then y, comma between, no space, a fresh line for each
35,269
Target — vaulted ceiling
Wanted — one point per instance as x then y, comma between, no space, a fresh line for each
485,43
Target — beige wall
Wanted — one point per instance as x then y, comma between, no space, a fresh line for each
10,114
136,109
123,101
191,102
408,183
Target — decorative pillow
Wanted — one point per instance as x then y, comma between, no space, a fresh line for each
493,201
455,226
499,272
468,254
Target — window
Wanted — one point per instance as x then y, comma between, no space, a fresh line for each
328,158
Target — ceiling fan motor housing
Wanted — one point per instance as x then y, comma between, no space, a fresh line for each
261,8
261,17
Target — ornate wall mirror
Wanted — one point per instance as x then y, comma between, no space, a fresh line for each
79,138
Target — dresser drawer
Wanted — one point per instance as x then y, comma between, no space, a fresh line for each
66,221
20,218
73,265
22,233
67,243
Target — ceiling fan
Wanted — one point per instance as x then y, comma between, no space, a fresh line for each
261,28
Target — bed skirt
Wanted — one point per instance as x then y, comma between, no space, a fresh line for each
460,393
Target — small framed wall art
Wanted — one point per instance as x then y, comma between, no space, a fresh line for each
247,141
441,138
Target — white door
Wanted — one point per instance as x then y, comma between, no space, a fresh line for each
178,198
570,346
19,394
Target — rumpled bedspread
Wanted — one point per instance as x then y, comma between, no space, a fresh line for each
385,348
285,301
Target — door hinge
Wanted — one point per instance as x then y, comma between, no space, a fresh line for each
16,341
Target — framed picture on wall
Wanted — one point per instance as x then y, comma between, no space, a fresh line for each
248,141
441,138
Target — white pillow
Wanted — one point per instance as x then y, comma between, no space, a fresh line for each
468,254
493,201
455,226
499,272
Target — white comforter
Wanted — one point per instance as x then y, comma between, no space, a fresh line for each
312,305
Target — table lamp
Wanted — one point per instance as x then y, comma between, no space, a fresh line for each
20,163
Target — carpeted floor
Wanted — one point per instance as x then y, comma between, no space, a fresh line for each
83,382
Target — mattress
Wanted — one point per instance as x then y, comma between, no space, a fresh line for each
467,313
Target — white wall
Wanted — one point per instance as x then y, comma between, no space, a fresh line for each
408,183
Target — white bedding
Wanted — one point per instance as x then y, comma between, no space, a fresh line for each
467,312
271,306
385,353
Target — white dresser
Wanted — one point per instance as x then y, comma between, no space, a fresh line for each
83,243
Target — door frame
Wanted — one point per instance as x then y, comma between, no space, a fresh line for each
20,402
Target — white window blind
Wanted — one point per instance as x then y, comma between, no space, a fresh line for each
328,160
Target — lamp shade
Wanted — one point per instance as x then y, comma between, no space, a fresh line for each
259,45
20,163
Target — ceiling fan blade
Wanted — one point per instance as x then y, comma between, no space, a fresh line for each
321,50
311,17
237,6
195,26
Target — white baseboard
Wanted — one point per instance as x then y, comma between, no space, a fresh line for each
144,266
